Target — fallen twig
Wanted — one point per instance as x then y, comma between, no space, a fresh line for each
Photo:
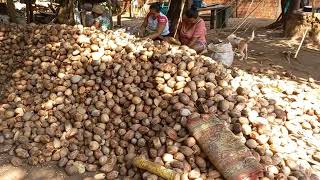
304,36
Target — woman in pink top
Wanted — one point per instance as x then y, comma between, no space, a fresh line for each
192,31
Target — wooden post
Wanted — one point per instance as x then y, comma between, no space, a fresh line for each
12,11
212,19
66,12
236,8
119,20
29,11
313,8
180,18
130,10
304,36
174,14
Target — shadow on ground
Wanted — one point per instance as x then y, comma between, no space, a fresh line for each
48,171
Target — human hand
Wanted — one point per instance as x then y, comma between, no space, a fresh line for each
141,32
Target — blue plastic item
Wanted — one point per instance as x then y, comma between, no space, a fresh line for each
197,3
286,6
164,9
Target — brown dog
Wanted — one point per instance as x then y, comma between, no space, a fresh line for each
241,44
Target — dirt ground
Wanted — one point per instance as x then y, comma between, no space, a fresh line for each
267,51
48,171
266,56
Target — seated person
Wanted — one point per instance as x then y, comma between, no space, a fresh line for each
101,19
190,3
197,3
86,15
192,31
156,24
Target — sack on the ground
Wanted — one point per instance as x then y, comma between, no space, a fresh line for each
4,19
224,150
222,52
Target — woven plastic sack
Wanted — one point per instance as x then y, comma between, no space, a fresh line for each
4,19
224,150
222,52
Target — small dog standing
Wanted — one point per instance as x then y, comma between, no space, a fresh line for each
241,44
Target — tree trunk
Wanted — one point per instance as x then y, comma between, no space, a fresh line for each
12,11
29,11
313,8
283,17
293,7
66,13
176,6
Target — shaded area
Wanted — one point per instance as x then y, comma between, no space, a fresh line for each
44,172
267,51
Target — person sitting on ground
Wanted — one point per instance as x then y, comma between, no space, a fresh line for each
101,19
156,24
192,31
87,19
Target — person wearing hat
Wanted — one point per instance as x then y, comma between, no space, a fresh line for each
101,19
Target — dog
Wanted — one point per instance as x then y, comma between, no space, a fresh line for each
241,44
